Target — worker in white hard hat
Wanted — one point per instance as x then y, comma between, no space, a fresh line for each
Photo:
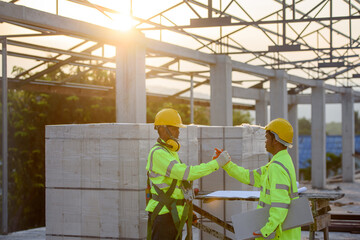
169,191
276,180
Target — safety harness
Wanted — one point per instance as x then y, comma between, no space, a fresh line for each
165,199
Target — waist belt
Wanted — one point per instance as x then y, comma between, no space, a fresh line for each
178,201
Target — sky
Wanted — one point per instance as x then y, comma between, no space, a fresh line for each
145,9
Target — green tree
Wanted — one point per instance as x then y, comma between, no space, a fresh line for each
28,113
357,122
304,126
333,164
241,116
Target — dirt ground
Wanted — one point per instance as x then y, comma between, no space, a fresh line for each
350,203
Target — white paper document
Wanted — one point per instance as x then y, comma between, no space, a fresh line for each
241,194
234,194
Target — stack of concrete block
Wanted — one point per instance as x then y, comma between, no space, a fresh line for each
96,177
246,146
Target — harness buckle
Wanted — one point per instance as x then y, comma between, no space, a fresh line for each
189,194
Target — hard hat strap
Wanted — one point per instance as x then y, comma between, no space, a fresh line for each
168,132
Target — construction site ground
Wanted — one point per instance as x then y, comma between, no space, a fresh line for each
350,203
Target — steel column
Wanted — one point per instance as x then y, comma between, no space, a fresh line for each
192,99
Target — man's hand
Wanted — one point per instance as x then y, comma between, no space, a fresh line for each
259,234
216,154
223,158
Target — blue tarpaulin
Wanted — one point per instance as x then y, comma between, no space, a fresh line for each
333,145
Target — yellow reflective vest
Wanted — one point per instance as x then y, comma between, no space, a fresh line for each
277,183
164,165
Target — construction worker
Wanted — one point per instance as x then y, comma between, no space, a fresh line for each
276,180
169,200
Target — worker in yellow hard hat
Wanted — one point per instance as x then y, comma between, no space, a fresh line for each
169,198
276,180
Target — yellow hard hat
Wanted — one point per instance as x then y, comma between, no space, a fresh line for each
282,128
168,116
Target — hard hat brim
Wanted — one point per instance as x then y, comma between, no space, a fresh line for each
181,126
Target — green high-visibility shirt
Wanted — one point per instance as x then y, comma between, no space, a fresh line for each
277,183
164,165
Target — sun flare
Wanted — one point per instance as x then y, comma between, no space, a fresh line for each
122,22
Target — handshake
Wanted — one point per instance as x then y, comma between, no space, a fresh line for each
222,157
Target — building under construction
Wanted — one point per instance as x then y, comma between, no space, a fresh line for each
221,54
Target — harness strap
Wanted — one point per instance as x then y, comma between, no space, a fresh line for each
187,214
179,202
170,203
164,199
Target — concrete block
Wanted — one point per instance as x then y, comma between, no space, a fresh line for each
90,213
90,163
234,132
72,163
54,211
183,133
54,238
234,145
131,131
193,152
213,182
54,131
54,150
72,212
73,131
212,132
92,131
109,163
192,131
109,214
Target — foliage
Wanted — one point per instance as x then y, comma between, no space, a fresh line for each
28,113
305,173
304,126
240,116
333,128
357,122
201,114
333,166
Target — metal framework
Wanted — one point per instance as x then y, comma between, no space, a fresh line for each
310,39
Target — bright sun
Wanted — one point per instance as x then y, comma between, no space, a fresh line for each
122,22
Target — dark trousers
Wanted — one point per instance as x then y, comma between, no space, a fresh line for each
163,227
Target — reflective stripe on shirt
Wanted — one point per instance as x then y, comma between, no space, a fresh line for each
154,175
280,205
171,165
186,174
151,157
282,186
163,185
252,180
